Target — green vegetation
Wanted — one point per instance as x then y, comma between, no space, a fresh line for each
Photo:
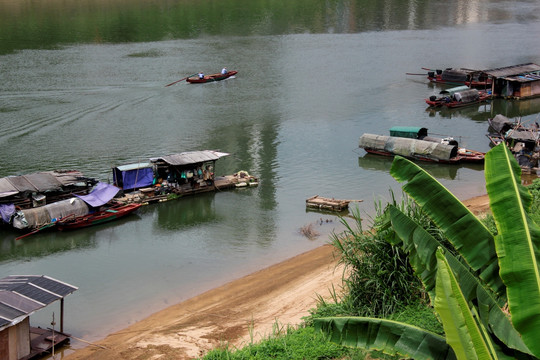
480,276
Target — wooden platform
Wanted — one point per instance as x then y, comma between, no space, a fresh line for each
42,342
331,204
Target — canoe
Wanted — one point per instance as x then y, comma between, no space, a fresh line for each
99,217
210,78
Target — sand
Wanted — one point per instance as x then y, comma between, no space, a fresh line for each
237,313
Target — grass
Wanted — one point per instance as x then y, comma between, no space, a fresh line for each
390,291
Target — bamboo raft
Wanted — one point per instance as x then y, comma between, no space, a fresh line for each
331,204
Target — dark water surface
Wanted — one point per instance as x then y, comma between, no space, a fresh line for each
83,87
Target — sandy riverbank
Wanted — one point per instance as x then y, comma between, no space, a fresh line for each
236,312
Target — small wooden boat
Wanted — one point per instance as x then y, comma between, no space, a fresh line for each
456,76
98,217
209,78
458,97
331,204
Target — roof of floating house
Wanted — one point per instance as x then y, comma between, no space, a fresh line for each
39,182
21,295
190,157
513,72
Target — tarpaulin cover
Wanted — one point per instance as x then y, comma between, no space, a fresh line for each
7,211
100,195
501,123
408,147
133,176
454,75
43,215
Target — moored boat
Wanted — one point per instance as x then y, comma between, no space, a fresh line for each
457,97
210,78
420,147
109,214
457,76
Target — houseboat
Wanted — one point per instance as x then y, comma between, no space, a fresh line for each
169,177
514,82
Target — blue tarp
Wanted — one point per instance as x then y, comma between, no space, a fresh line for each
133,176
100,195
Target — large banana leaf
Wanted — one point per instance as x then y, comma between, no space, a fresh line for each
388,336
517,244
463,333
466,233
421,249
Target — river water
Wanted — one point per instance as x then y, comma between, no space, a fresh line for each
83,87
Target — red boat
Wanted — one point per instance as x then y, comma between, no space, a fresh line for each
469,77
458,97
209,78
109,214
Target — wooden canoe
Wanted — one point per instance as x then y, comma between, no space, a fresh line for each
99,217
210,78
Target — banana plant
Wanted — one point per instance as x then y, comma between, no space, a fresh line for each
515,251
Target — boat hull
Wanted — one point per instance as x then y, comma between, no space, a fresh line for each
96,218
210,78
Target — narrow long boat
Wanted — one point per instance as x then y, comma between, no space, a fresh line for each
458,97
99,217
210,78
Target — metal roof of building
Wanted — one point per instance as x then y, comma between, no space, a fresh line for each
190,157
513,70
21,295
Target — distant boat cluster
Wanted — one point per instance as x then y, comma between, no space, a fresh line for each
469,87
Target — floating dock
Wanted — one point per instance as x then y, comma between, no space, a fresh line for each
330,204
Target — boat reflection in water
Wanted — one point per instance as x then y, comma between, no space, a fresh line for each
437,170
186,212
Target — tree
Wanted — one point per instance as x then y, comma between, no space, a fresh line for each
462,275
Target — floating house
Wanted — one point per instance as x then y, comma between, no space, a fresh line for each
515,82
168,177
38,189
21,296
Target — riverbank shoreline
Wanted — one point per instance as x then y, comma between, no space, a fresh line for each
239,312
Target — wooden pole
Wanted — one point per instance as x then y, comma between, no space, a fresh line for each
62,315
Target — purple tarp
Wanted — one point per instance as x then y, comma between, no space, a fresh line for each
7,212
100,195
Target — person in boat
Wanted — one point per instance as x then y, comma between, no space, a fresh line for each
224,71
201,75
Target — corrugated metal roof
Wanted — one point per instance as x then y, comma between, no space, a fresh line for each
513,70
39,182
190,157
20,295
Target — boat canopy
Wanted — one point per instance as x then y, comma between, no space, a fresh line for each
413,132
408,147
469,95
454,75
100,195
190,157
501,124
133,176
454,90
43,215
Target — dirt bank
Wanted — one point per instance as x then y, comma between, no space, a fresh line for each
236,312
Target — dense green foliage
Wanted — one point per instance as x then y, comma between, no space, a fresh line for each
397,302
380,279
